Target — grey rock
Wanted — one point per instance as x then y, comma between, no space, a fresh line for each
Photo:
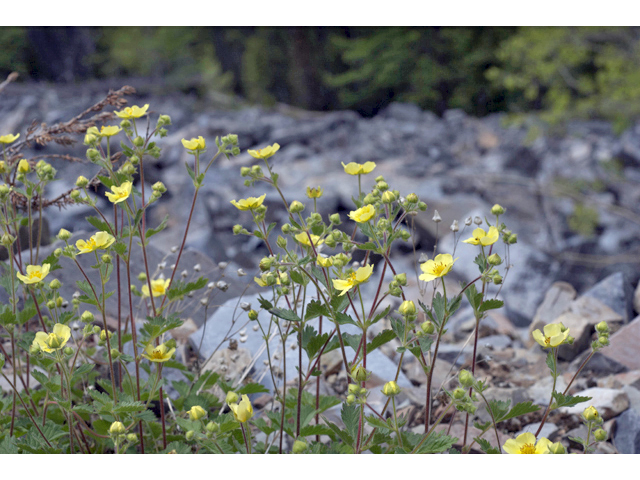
627,432
609,402
623,346
616,292
556,301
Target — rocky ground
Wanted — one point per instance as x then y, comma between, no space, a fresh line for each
460,166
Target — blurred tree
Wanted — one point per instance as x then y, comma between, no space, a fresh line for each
14,52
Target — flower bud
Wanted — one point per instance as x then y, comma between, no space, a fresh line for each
351,398
103,335
299,446
603,340
266,263
465,378
212,427
359,373
197,412
23,166
497,279
64,234
494,259
232,397
237,229
115,353
68,351
401,278
422,206
497,210
34,349
189,435
602,327
557,448
436,217
93,155
513,238
86,317
335,219
116,428
159,187
407,308
245,171
106,258
138,141
388,197
391,389
74,195
296,207
165,119
82,182
55,284
600,435
51,304
590,414
286,229
132,438
459,393
428,327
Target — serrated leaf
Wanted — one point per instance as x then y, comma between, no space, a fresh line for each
490,304
437,443
551,363
383,337
285,314
344,319
486,447
350,415
179,289
316,309
252,388
353,340
567,400
98,223
518,409
499,408
128,407
378,423
342,434
380,316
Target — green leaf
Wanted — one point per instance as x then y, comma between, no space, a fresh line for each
368,246
316,309
285,314
128,407
437,443
378,423
380,316
98,223
499,408
350,415
179,289
567,400
551,363
152,231
252,388
344,319
353,340
490,304
383,337
438,308
486,447
518,409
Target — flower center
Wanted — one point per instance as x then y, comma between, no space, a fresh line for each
547,340
528,448
36,275
54,341
438,269
157,354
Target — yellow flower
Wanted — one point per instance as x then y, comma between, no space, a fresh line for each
303,238
354,168
363,214
117,428
391,389
436,268
526,443
158,354
265,152
109,131
314,192
23,166
197,412
132,112
7,139
250,203
98,241
554,335
324,261
158,287
194,144
35,273
591,414
242,411
480,237
121,193
54,340
356,278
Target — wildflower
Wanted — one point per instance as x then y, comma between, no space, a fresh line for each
356,278
266,280
299,446
250,203
324,261
158,287
23,166
242,411
363,214
391,389
109,131
303,238
554,335
48,342
314,192
35,273
436,268
232,397
591,414
100,240
7,139
480,237
557,448
132,112
407,308
354,168
158,354
117,428
526,443
194,144
197,412
119,194
265,152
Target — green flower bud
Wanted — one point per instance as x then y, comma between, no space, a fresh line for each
159,187
497,210
391,389
388,197
74,195
86,317
237,229
590,414
359,374
497,279
557,448
59,302
465,378
395,291
281,242
330,242
286,229
68,351
379,178
412,198
353,388
256,171
602,327
34,349
97,329
93,155
513,238
335,219
428,327
232,397
134,160
212,427
165,119
405,235
64,234
299,446
407,308
253,315
115,353
603,340
51,304
459,393
494,259
266,263
245,171
82,182
138,141
132,438
117,428
55,284
370,199
422,206
600,435
235,151
4,191
382,186
197,412
103,335
189,435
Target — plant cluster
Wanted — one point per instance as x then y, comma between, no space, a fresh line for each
80,384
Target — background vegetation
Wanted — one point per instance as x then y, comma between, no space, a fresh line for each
558,72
